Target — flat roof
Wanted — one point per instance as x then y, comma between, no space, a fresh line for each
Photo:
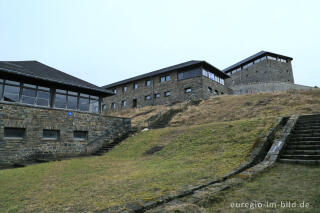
34,71
181,66
254,57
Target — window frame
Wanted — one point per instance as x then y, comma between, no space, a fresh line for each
80,138
51,138
14,137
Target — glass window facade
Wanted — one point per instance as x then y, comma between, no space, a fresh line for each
12,91
189,74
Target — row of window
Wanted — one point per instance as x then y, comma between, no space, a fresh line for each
12,91
212,76
158,95
146,98
257,61
47,134
181,75
147,83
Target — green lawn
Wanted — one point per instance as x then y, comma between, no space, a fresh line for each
284,182
190,155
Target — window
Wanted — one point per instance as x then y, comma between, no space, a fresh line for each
51,134
147,97
14,132
84,102
135,86
114,91
80,135
165,78
11,91
72,102
43,97
209,89
148,83
123,103
94,104
60,99
113,105
221,81
124,89
190,74
216,92
166,94
157,95
104,107
187,90
271,58
28,94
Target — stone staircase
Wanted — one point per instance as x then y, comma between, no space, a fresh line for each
107,146
303,145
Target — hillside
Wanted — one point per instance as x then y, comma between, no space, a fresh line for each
232,107
143,167
204,142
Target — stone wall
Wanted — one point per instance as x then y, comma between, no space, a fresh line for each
36,119
199,86
264,71
268,87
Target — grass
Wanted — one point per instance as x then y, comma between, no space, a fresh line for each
236,107
232,107
191,155
283,182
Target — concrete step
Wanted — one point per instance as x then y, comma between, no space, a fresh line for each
309,123
301,157
306,131
301,152
303,143
282,160
310,134
297,139
302,147
303,127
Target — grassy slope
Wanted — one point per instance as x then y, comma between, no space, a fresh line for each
191,154
237,107
233,107
284,182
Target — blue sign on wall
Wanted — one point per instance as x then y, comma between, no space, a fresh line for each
70,113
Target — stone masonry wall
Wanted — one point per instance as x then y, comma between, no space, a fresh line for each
268,87
198,85
220,89
262,72
35,119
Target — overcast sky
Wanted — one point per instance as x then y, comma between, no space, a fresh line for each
111,40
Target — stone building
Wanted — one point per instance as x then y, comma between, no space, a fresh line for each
45,113
178,83
262,72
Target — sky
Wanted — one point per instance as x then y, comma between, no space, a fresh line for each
104,41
